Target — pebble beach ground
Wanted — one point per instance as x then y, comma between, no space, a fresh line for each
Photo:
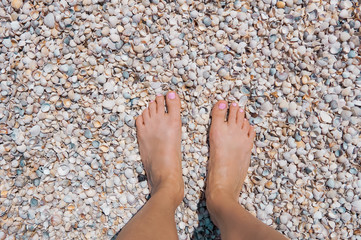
75,74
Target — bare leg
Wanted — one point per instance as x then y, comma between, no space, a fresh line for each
231,143
159,138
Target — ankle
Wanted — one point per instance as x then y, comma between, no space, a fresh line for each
219,204
171,191
216,199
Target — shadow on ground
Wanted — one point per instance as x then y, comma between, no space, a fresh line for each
206,229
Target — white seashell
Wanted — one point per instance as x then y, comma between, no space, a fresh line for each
90,192
49,20
325,117
34,15
109,104
35,130
63,170
356,206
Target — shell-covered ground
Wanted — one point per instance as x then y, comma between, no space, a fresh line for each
75,74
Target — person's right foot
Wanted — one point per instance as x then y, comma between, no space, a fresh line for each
159,137
231,142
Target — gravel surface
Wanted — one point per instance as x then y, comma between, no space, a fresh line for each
75,74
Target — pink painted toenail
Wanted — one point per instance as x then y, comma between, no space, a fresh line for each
171,95
234,104
158,95
222,106
241,110
152,101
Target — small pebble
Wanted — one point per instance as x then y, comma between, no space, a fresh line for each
33,202
330,183
88,134
207,21
128,173
49,20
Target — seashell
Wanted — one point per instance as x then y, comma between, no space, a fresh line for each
270,185
2,235
97,124
34,14
71,207
280,4
56,220
67,103
4,194
63,170
77,8
36,75
256,179
104,148
305,79
16,4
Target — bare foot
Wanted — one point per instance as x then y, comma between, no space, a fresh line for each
159,138
230,143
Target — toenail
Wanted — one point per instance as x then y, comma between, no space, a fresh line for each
158,95
171,95
152,101
234,104
241,110
222,106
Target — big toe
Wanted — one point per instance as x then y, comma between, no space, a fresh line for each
173,104
219,112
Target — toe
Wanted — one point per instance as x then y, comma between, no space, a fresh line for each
232,116
251,132
160,103
219,112
139,122
152,108
246,125
173,104
240,117
145,116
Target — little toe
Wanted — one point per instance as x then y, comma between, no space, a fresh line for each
173,104
145,116
251,133
160,103
219,112
240,117
139,122
246,125
232,116
152,108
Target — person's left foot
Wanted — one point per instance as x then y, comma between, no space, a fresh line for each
159,138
